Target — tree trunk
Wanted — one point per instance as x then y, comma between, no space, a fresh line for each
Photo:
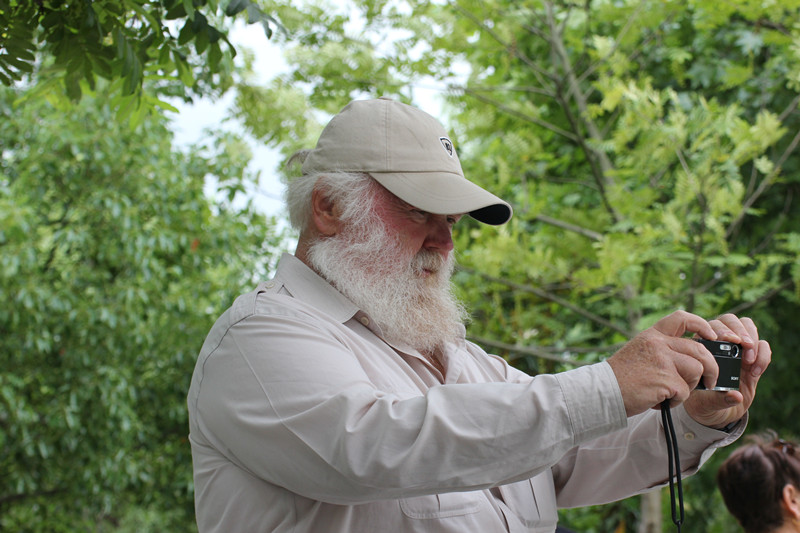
651,512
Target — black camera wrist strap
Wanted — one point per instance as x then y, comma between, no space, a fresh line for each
674,465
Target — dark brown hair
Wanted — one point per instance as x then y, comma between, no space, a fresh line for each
752,479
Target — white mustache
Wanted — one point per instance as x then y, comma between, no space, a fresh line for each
430,261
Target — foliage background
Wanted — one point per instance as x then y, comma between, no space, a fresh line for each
648,147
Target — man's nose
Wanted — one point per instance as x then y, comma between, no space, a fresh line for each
440,235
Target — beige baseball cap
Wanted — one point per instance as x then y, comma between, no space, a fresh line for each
407,151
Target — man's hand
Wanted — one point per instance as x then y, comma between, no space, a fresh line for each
660,364
718,409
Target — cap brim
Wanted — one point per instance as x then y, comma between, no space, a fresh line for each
446,193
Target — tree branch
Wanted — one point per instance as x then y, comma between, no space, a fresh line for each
523,351
518,114
574,89
539,73
766,296
552,298
776,226
11,498
593,67
507,88
763,186
597,159
595,236
791,108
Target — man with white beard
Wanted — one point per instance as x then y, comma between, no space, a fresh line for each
342,396
406,292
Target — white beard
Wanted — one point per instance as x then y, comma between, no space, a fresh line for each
368,267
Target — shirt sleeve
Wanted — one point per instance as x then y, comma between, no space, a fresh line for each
634,460
284,397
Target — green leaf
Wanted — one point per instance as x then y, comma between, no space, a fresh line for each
112,252
201,42
214,55
187,33
235,7
750,42
188,6
199,23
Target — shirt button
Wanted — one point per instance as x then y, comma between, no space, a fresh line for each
688,436
270,285
364,320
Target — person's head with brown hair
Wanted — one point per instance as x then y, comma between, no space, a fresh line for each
760,484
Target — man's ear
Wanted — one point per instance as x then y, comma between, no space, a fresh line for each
790,501
324,214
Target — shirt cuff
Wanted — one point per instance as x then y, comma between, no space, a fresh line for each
698,440
594,401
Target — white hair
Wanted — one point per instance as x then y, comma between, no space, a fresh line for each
351,191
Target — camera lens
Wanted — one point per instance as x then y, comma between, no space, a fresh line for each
731,350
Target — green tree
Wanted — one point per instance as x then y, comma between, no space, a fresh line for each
113,265
649,149
177,48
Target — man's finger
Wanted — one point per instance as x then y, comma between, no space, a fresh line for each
680,322
709,370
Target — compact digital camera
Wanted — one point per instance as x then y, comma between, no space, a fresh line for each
729,359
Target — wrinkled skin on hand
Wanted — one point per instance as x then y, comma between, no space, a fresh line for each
717,409
661,364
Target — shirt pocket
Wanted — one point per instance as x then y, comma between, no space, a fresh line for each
533,501
446,505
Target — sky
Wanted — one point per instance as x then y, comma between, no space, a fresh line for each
193,119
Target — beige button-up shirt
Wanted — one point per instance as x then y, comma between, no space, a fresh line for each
302,419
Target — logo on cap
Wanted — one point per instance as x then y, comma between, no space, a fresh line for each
447,145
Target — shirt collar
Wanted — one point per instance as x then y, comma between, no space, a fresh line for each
306,285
